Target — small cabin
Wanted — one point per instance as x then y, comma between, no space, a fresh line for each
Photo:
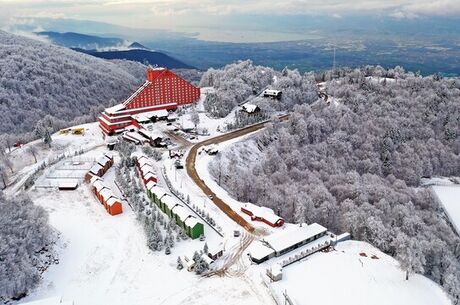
69,185
215,252
275,272
114,206
276,94
250,108
188,263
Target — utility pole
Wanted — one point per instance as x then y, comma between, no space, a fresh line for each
333,62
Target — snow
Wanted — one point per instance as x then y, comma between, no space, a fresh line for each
258,250
344,277
104,260
68,184
293,235
449,195
249,108
114,109
191,221
262,212
150,184
181,212
49,301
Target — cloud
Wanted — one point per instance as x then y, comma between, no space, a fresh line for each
159,13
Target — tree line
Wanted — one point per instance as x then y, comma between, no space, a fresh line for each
355,165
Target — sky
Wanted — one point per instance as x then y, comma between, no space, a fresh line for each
174,14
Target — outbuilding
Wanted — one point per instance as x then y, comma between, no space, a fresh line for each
193,227
180,214
68,185
215,252
262,214
250,108
114,206
168,203
275,272
95,170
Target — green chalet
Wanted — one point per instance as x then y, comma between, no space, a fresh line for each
168,203
180,214
193,228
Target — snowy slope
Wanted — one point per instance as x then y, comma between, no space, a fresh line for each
346,278
449,195
104,260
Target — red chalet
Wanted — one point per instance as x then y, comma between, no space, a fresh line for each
162,90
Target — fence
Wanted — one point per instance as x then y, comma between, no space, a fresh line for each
180,196
305,253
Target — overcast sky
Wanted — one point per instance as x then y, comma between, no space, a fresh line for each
173,13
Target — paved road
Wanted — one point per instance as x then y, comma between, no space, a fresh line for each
191,170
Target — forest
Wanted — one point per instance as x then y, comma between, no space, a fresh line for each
40,79
26,246
354,162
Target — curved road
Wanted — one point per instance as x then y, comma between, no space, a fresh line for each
191,170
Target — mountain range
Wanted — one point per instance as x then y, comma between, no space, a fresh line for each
113,48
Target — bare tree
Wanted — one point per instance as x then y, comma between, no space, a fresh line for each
7,162
33,151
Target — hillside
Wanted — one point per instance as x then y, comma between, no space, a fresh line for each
140,55
77,40
354,163
41,79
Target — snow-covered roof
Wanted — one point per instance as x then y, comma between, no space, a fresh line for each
271,91
68,184
94,179
146,166
112,200
150,184
162,113
181,212
141,157
206,259
95,168
103,160
186,125
276,270
114,109
144,161
173,116
250,108
135,135
213,250
262,212
158,191
293,235
169,201
108,155
152,135
149,175
141,117
106,193
99,185
258,250
191,221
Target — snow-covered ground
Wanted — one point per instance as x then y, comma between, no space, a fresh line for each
24,162
104,260
449,195
345,277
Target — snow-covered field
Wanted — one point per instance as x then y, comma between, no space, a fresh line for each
345,277
104,260
449,195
